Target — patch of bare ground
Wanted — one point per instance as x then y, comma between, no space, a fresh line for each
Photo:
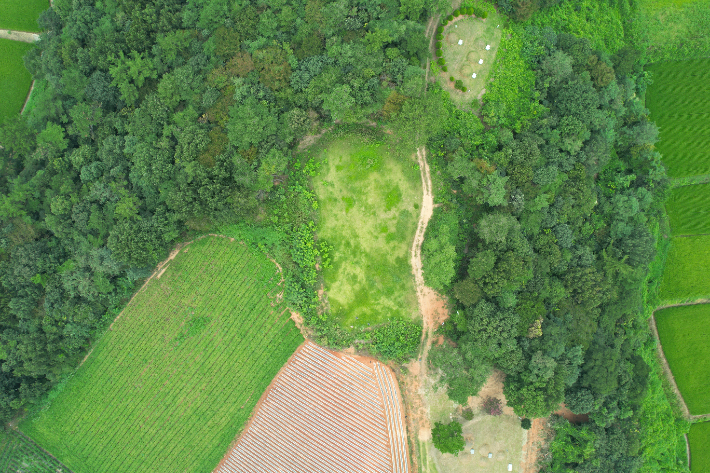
533,440
492,388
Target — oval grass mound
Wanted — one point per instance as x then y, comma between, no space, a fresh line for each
451,38
169,387
465,70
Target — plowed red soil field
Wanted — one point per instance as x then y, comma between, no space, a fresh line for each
325,412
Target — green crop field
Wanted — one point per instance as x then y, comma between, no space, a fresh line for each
699,437
684,333
685,275
15,80
18,454
175,380
462,60
369,194
679,101
21,15
688,209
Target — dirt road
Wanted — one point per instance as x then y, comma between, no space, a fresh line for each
19,36
434,311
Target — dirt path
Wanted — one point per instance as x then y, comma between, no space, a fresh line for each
534,437
19,36
434,311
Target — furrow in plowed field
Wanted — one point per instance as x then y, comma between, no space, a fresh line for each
325,412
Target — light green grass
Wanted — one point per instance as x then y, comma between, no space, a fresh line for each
15,80
685,275
171,385
500,435
671,29
21,15
684,332
699,437
688,209
17,453
369,194
679,101
462,60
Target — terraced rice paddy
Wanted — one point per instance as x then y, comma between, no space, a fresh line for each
684,332
18,454
169,387
699,437
325,412
688,209
21,15
679,101
685,275
15,80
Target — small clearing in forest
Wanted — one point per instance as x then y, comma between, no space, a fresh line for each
368,194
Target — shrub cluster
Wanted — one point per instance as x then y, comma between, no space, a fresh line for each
492,406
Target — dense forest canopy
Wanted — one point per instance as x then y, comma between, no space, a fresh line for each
164,118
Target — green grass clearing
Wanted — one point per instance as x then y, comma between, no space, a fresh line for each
15,80
369,192
685,275
688,209
171,385
684,332
699,437
462,60
671,29
679,101
21,15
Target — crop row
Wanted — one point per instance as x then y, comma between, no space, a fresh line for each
158,394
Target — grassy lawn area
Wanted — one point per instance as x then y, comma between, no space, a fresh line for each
15,80
688,208
500,435
169,387
685,275
21,15
699,437
369,193
679,101
672,29
462,60
684,332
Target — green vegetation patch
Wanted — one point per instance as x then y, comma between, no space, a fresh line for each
679,101
15,80
21,15
600,22
18,453
689,210
671,29
699,437
172,384
684,333
369,193
462,60
685,276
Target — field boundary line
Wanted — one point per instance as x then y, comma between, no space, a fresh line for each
687,448
16,429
